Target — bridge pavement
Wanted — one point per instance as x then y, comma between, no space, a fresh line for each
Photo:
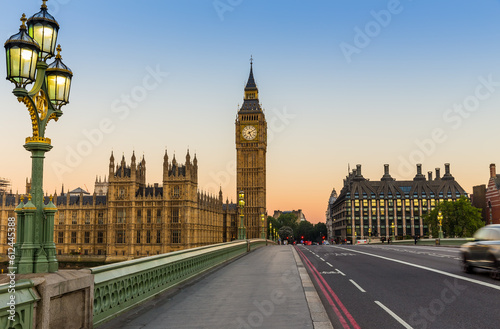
267,288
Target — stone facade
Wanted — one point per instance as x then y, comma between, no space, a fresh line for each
251,148
298,213
133,219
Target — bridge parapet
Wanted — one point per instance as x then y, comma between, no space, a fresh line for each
64,299
121,286
20,305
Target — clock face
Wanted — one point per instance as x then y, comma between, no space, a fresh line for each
249,133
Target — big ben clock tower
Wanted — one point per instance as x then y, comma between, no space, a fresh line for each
251,147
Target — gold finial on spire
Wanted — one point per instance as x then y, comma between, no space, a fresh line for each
51,197
29,197
22,198
23,19
58,56
44,5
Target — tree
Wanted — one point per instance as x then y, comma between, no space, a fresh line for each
288,219
304,231
286,233
319,232
460,218
271,221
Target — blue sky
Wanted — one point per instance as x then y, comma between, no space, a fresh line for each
381,104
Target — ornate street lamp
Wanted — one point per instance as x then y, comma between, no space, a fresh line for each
242,232
393,231
270,230
26,56
440,219
369,234
263,233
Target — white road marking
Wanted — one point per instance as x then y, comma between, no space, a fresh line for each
486,284
394,315
340,272
329,264
322,259
357,285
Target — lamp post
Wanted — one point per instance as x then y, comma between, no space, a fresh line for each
242,232
440,219
393,231
27,53
355,236
369,234
263,233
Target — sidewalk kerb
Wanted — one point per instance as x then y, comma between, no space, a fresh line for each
316,309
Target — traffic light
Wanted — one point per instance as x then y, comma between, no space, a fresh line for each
302,237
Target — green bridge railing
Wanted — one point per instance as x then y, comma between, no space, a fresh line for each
122,286
17,301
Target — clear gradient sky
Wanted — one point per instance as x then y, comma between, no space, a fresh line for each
341,81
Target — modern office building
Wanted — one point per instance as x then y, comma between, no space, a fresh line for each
365,206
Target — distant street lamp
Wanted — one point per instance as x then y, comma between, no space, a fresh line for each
26,56
369,235
263,233
393,231
440,219
242,232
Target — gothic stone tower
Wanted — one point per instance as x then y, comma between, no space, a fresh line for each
251,147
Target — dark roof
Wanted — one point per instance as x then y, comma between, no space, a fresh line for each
250,106
357,187
79,190
251,81
126,170
177,170
230,206
149,191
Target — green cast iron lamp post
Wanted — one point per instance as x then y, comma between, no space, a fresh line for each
27,53
440,219
393,231
263,233
242,232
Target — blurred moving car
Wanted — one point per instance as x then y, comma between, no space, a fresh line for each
483,252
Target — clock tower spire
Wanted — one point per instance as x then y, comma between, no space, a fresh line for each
251,148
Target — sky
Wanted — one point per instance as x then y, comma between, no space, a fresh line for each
342,83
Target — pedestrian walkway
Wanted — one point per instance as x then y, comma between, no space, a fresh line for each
267,288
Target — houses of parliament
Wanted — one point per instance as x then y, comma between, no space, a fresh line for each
127,218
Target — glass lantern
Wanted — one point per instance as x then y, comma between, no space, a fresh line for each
21,57
43,28
58,80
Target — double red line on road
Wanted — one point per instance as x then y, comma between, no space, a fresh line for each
328,293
